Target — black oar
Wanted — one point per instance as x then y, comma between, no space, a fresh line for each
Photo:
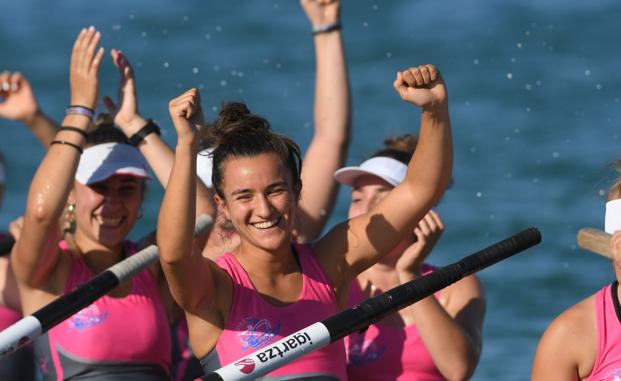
33,326
369,311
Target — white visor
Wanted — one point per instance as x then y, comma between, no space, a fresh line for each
102,161
613,216
389,169
204,164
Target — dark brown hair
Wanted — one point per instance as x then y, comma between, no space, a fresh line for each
239,133
400,148
104,131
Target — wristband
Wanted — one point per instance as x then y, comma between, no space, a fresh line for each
81,110
142,133
326,28
73,129
80,150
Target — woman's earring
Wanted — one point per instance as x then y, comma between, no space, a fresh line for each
69,219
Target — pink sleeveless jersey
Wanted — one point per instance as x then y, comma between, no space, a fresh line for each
608,315
254,323
385,352
127,337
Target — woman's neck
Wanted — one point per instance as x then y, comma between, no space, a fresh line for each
258,261
96,256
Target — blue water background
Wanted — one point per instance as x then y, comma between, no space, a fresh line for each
534,87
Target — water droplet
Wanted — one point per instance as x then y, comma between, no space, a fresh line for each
528,87
195,70
528,109
598,86
201,86
475,61
538,83
143,34
240,74
307,124
165,32
186,18
509,75
132,16
479,194
473,149
208,36
519,45
218,28
166,65
388,54
216,68
587,72
513,59
555,155
602,192
527,33
223,83
517,131
278,66
116,27
365,24
375,7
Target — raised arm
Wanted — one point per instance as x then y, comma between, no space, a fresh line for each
155,150
36,252
353,246
181,261
451,327
19,103
332,118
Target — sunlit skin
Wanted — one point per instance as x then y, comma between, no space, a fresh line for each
260,201
106,211
368,191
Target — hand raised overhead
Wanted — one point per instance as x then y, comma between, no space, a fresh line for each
422,86
187,114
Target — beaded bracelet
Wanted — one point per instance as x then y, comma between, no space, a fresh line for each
73,129
81,110
67,143
326,28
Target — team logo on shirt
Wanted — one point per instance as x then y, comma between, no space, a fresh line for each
254,333
87,318
613,375
362,352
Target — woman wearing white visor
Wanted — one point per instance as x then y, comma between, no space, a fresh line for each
102,178
436,338
584,342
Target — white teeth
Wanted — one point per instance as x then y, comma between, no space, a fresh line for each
109,221
266,224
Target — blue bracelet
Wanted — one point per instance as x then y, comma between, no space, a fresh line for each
81,110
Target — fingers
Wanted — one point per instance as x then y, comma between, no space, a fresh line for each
15,227
10,82
421,76
186,105
110,106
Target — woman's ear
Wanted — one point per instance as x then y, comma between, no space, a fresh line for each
222,208
71,197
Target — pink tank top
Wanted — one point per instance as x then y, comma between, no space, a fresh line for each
254,323
126,336
608,314
8,317
389,353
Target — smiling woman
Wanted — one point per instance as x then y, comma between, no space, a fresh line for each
95,176
268,288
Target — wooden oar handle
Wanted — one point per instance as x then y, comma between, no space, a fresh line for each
595,240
